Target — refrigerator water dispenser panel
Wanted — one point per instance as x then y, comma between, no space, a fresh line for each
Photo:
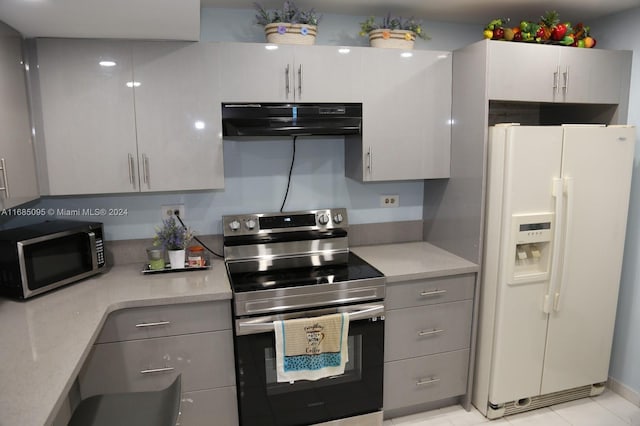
531,244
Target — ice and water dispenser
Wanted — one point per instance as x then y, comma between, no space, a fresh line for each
531,241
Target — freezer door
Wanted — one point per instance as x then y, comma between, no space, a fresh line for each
523,165
596,169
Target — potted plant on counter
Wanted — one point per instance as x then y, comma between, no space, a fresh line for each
392,32
289,25
174,238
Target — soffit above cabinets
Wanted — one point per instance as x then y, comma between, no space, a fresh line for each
134,19
462,11
180,19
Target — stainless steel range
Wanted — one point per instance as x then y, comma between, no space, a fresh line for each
293,265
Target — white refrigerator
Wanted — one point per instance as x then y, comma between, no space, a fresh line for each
555,220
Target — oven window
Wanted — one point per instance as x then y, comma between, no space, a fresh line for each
352,370
264,402
50,261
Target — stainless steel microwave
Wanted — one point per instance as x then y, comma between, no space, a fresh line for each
40,257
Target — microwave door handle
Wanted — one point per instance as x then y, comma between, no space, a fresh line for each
92,246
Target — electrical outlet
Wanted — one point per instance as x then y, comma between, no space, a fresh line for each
389,200
168,211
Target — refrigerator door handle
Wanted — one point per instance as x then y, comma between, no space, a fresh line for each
568,192
556,273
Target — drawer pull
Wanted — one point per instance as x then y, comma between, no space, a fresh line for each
430,332
432,293
152,324
157,370
423,382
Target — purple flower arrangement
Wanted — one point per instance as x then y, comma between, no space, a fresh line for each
172,236
289,13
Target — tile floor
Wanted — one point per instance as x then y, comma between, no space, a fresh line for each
608,409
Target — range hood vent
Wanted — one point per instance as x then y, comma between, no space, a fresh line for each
295,119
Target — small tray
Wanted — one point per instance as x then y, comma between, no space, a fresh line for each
167,268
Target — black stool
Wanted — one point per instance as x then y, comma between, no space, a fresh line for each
153,408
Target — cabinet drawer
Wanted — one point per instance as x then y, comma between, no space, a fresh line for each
425,379
209,407
166,320
428,292
204,359
426,330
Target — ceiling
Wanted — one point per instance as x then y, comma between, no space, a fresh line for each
180,19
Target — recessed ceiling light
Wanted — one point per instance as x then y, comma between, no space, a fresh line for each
107,63
406,54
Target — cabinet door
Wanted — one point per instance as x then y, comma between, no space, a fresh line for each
18,174
328,74
406,115
256,72
88,118
523,72
593,75
177,106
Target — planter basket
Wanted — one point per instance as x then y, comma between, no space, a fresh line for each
395,39
285,33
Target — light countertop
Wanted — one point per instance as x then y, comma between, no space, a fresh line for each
413,261
45,340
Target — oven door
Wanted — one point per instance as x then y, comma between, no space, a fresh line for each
262,401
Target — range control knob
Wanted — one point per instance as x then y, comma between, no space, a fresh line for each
338,218
234,225
250,224
323,219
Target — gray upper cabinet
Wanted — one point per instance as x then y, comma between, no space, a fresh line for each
118,116
277,73
18,183
178,120
545,73
88,116
406,117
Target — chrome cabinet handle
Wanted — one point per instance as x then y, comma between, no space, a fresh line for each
565,75
131,171
430,332
423,382
157,370
152,324
286,80
5,181
556,74
432,292
145,167
300,80
370,160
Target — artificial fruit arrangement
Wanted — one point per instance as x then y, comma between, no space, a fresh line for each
549,29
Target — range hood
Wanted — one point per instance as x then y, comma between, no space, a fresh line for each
294,119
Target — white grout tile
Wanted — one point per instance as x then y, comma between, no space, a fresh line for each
608,409
430,418
586,412
619,406
458,416
542,416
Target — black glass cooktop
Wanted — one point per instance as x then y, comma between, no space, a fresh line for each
354,269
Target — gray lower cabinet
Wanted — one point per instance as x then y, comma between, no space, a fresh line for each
145,348
427,341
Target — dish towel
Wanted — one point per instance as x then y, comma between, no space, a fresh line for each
311,348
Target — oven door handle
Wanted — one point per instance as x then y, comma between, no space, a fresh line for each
265,325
